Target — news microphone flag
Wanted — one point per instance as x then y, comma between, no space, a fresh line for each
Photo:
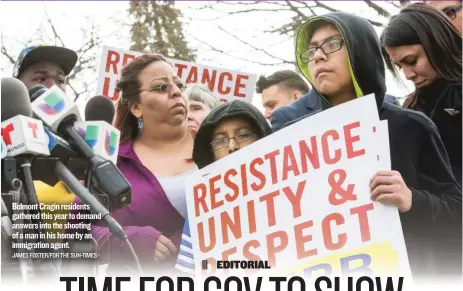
24,135
102,137
53,106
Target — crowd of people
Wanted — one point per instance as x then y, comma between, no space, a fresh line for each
170,129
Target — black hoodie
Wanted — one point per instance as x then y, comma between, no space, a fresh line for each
433,225
202,150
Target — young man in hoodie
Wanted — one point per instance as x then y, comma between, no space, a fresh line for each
228,128
340,55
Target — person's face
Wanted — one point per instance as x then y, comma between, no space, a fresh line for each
45,73
274,97
231,135
329,72
161,98
197,112
415,64
446,7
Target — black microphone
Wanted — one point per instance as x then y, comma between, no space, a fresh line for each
99,108
59,150
59,112
16,101
36,90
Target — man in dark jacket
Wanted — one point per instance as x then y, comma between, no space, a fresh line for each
340,56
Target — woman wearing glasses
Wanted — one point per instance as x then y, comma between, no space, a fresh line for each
155,157
423,43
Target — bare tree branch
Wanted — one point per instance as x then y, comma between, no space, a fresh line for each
378,8
394,3
295,9
232,56
255,48
53,26
4,51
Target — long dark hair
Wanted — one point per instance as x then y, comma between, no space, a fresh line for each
419,23
129,86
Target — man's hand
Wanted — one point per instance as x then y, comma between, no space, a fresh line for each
389,187
164,249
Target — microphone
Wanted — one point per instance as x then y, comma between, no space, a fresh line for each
60,113
97,130
19,96
36,90
24,136
100,108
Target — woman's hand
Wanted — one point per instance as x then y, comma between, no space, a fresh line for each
164,249
389,187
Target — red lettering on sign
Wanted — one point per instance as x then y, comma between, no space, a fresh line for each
214,191
309,154
247,253
301,239
326,147
115,95
327,231
34,127
6,133
192,75
208,79
220,87
273,166
274,248
112,59
239,85
180,68
127,58
234,225
258,174
361,211
199,194
232,185
350,139
269,200
201,235
289,163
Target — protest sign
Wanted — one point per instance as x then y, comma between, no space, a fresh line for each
300,200
225,84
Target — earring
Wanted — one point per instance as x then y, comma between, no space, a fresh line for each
140,124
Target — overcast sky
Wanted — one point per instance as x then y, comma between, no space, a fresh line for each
21,21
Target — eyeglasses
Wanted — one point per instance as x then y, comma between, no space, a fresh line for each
328,47
223,142
166,87
451,12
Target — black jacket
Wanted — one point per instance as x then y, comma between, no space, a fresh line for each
441,102
202,150
417,152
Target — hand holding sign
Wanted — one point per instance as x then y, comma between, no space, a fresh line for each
389,187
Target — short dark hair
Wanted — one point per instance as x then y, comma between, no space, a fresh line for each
285,79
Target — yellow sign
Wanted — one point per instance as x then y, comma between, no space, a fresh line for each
374,260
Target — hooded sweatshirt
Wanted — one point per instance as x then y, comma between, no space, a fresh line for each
203,156
417,152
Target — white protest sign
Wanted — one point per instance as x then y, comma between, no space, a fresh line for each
225,84
300,199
